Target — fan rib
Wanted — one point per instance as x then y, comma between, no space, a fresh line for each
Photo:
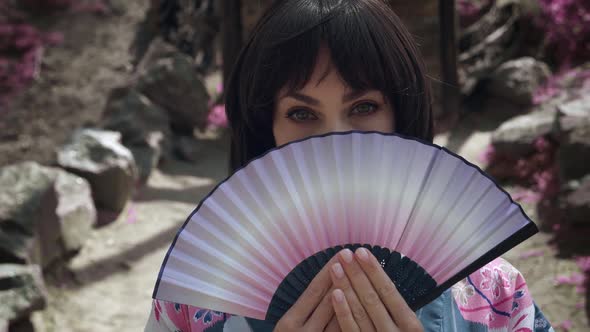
317,153
408,242
294,195
266,240
241,234
307,176
277,198
290,254
444,233
240,269
207,272
188,282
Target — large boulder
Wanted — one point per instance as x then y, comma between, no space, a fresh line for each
99,157
575,204
173,84
517,80
45,213
22,291
574,151
144,127
515,138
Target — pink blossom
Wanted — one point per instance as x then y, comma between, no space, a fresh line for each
566,325
532,253
217,116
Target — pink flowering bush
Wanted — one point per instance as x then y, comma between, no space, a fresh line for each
217,116
566,81
471,10
537,172
22,44
566,24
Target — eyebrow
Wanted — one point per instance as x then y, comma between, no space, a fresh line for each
312,101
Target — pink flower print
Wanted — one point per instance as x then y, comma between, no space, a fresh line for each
463,291
490,317
493,280
158,310
509,271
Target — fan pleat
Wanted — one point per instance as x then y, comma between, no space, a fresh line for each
309,177
273,232
340,185
300,212
240,236
374,189
477,239
397,216
188,266
278,198
250,226
265,206
415,222
439,235
324,187
221,258
210,296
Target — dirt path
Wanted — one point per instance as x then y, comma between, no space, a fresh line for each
114,275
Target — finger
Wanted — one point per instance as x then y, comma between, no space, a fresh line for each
322,314
359,313
343,313
311,296
367,295
333,325
403,316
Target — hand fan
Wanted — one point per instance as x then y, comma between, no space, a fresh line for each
256,241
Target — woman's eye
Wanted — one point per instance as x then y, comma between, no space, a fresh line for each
364,109
301,115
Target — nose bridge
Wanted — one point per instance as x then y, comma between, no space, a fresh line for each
337,123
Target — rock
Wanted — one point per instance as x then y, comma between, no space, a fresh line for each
22,291
144,128
189,148
575,205
517,80
515,137
99,157
173,84
157,49
45,213
579,107
574,152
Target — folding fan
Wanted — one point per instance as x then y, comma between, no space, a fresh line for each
256,241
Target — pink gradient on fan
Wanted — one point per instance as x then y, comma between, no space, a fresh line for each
308,196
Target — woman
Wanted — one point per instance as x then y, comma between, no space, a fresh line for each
317,66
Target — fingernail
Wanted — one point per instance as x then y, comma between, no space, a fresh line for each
338,295
362,254
338,271
346,254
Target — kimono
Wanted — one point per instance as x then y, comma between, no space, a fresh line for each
493,298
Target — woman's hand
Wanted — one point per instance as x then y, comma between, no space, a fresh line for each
365,298
313,310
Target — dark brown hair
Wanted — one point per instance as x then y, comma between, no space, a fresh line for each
370,48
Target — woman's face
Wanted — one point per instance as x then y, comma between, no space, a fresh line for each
327,104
